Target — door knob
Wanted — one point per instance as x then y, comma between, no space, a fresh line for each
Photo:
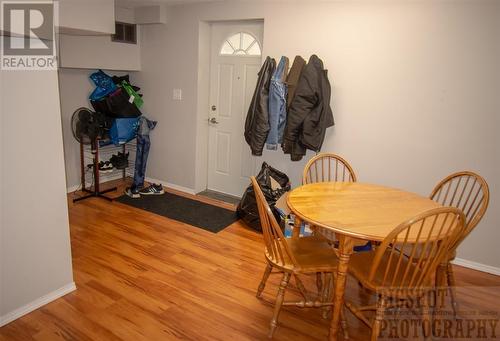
213,120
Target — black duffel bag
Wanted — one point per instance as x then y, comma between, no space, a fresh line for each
120,105
101,106
247,208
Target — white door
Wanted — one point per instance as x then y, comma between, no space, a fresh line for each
235,63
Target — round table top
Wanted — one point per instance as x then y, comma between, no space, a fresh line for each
356,209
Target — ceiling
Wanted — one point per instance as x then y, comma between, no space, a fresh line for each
139,3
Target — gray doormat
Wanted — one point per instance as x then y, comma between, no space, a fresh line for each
220,196
192,212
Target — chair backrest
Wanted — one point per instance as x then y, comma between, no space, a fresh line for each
426,239
327,167
467,191
277,248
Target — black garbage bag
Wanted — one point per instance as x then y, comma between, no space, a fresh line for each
247,208
102,106
120,106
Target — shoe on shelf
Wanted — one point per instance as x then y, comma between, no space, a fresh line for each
109,166
105,167
102,167
132,192
154,189
119,161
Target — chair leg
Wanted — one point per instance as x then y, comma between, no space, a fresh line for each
326,293
440,284
426,317
262,284
301,287
343,323
450,276
379,316
279,303
319,282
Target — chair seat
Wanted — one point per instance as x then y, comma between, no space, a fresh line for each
312,254
360,265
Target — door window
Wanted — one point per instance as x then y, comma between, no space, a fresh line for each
242,44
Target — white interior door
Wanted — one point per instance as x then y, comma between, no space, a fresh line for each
235,63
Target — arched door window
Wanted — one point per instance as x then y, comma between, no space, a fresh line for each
240,44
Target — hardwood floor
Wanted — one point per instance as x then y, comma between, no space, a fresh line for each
145,277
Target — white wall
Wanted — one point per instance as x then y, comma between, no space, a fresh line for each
75,88
35,248
95,52
123,14
148,15
415,90
87,16
100,52
1,195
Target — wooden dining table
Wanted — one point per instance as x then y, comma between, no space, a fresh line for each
350,211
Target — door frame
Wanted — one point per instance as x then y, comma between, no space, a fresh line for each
203,98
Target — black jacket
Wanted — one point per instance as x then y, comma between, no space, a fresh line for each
257,121
293,78
310,113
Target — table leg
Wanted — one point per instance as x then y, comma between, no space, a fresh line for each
296,228
345,250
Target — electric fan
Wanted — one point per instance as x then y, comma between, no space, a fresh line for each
88,127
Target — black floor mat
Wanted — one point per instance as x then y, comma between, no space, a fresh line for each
192,212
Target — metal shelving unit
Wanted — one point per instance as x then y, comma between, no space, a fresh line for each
104,153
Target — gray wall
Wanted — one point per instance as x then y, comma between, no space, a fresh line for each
88,52
91,52
415,90
75,88
35,251
91,16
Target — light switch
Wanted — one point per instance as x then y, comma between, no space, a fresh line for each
177,95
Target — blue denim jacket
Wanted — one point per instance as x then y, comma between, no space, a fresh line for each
277,105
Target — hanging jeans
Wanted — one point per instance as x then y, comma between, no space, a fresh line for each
141,160
277,107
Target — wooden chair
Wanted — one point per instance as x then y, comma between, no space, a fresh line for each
392,275
307,255
327,167
469,192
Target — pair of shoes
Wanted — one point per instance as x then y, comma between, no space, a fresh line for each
119,161
154,189
132,192
105,167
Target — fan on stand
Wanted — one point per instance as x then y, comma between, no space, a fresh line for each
88,127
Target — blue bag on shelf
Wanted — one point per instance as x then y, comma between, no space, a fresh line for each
123,130
104,85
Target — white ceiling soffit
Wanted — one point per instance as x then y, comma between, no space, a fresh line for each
141,3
